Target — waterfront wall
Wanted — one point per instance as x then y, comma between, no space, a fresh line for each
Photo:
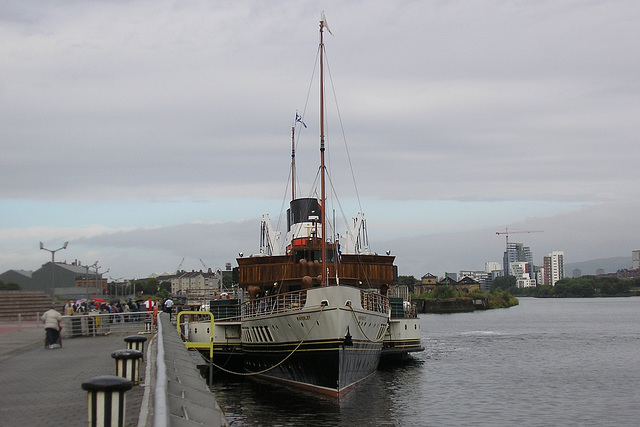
452,305
182,395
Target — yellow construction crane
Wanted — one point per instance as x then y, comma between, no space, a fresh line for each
506,232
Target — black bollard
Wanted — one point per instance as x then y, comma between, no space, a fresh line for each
106,400
136,342
128,364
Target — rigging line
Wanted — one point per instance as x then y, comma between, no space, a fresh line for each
297,143
360,327
314,189
306,103
249,374
344,138
337,201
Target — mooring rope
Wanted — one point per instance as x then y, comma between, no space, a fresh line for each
247,374
362,330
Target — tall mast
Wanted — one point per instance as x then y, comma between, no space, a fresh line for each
293,162
322,166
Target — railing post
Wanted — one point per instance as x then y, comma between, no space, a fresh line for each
128,364
106,400
136,342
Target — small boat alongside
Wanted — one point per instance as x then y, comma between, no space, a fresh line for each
403,334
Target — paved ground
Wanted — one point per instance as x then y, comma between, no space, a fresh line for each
15,326
42,387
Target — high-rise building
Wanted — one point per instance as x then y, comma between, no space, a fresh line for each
553,267
490,266
521,271
635,256
516,252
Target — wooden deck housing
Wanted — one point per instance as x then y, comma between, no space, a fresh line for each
366,271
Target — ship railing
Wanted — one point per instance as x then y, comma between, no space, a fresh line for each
279,303
209,294
374,302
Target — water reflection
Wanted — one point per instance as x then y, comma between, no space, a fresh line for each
545,362
377,401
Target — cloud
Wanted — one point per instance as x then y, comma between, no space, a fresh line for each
119,118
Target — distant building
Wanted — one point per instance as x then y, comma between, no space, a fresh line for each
576,273
429,279
516,252
427,283
68,279
553,267
635,258
21,277
600,272
466,284
627,274
493,269
192,283
482,277
430,282
521,272
452,276
492,266
538,275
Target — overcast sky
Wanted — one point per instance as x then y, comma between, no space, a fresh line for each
145,132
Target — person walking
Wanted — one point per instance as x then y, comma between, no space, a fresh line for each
52,319
69,309
168,306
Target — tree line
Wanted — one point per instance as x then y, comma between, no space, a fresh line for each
585,286
9,286
142,288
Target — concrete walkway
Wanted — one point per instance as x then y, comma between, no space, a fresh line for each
42,387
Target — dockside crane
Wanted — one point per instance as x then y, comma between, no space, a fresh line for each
506,232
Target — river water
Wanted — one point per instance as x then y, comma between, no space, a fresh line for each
545,362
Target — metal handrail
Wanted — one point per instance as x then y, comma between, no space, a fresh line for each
191,345
94,324
279,303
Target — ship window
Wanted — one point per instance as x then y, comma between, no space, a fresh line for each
315,256
331,256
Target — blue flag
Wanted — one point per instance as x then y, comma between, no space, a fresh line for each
299,120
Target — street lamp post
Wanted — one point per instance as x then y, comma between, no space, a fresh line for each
97,267
115,283
53,265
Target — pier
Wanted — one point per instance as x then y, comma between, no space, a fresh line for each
43,386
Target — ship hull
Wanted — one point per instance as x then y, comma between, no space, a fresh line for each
328,368
328,346
402,338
